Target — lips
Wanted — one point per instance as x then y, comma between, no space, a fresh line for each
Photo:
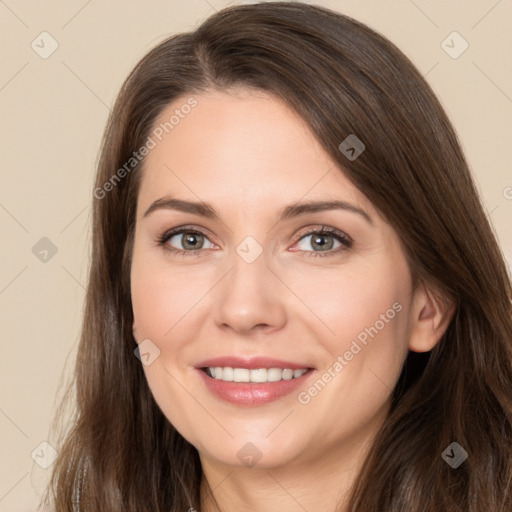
250,394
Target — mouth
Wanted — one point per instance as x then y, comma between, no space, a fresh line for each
253,375
250,387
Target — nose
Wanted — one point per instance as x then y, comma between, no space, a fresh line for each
251,298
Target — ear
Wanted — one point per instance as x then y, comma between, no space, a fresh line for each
431,315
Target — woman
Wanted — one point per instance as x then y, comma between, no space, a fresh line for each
295,297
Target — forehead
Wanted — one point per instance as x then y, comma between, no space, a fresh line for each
243,148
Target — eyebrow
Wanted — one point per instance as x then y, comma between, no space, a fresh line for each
208,211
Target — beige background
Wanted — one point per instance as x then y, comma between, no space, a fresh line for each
53,114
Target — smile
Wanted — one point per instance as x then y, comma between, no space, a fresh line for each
273,383
229,374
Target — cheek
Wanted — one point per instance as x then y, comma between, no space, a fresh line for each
162,298
351,301
365,309
164,303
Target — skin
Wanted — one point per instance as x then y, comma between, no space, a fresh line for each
249,155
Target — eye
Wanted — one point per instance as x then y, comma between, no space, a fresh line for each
191,241
323,240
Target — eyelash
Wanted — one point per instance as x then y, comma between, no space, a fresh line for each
343,238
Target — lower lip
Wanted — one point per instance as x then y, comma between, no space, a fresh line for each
251,393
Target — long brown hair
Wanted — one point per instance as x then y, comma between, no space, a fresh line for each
342,78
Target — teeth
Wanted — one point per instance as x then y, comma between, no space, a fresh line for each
253,375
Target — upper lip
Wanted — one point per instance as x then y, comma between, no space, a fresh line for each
250,363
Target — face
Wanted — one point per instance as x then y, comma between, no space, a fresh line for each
257,275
